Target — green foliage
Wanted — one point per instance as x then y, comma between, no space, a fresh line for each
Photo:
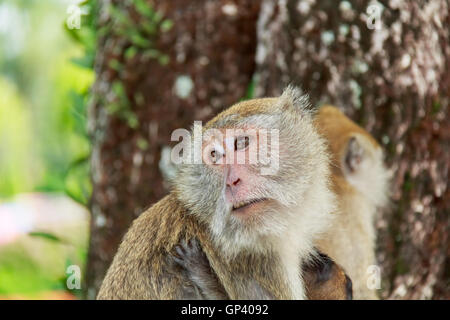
142,144
86,36
20,274
44,95
436,107
408,183
39,263
138,23
16,168
44,146
77,183
45,235
250,92
43,98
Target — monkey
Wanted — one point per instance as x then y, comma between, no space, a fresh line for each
361,184
256,227
324,279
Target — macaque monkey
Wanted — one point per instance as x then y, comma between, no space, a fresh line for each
255,220
360,181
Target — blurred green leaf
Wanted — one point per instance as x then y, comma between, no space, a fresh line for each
166,25
115,64
142,144
164,59
140,41
86,61
149,26
131,119
45,235
77,182
151,53
144,8
157,17
130,53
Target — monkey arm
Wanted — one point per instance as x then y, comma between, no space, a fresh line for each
194,265
140,269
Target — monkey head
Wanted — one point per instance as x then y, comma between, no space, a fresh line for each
357,155
261,162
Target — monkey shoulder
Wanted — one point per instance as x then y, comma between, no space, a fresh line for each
140,267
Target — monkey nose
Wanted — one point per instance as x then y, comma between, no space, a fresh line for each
232,179
233,182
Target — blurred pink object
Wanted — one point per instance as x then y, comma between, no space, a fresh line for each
37,212
16,219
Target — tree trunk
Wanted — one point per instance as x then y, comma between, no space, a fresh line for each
160,65
395,82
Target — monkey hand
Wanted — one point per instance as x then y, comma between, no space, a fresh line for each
194,265
189,257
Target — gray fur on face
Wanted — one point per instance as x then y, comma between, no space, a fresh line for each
302,162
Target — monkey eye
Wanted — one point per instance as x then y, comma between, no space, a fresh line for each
240,143
215,156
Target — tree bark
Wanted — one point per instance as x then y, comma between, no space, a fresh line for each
395,82
173,76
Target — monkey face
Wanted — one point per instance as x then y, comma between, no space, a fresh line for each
259,157
236,155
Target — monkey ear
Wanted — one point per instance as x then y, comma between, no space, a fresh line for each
293,97
354,155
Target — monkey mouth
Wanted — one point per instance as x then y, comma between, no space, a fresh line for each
245,204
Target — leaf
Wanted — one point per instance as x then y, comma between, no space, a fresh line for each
115,64
249,94
157,17
140,41
142,144
118,89
139,99
131,119
149,27
163,59
86,61
119,17
45,235
166,25
130,53
144,8
151,53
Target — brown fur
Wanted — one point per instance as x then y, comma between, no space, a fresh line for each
245,109
326,280
333,289
351,239
338,128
